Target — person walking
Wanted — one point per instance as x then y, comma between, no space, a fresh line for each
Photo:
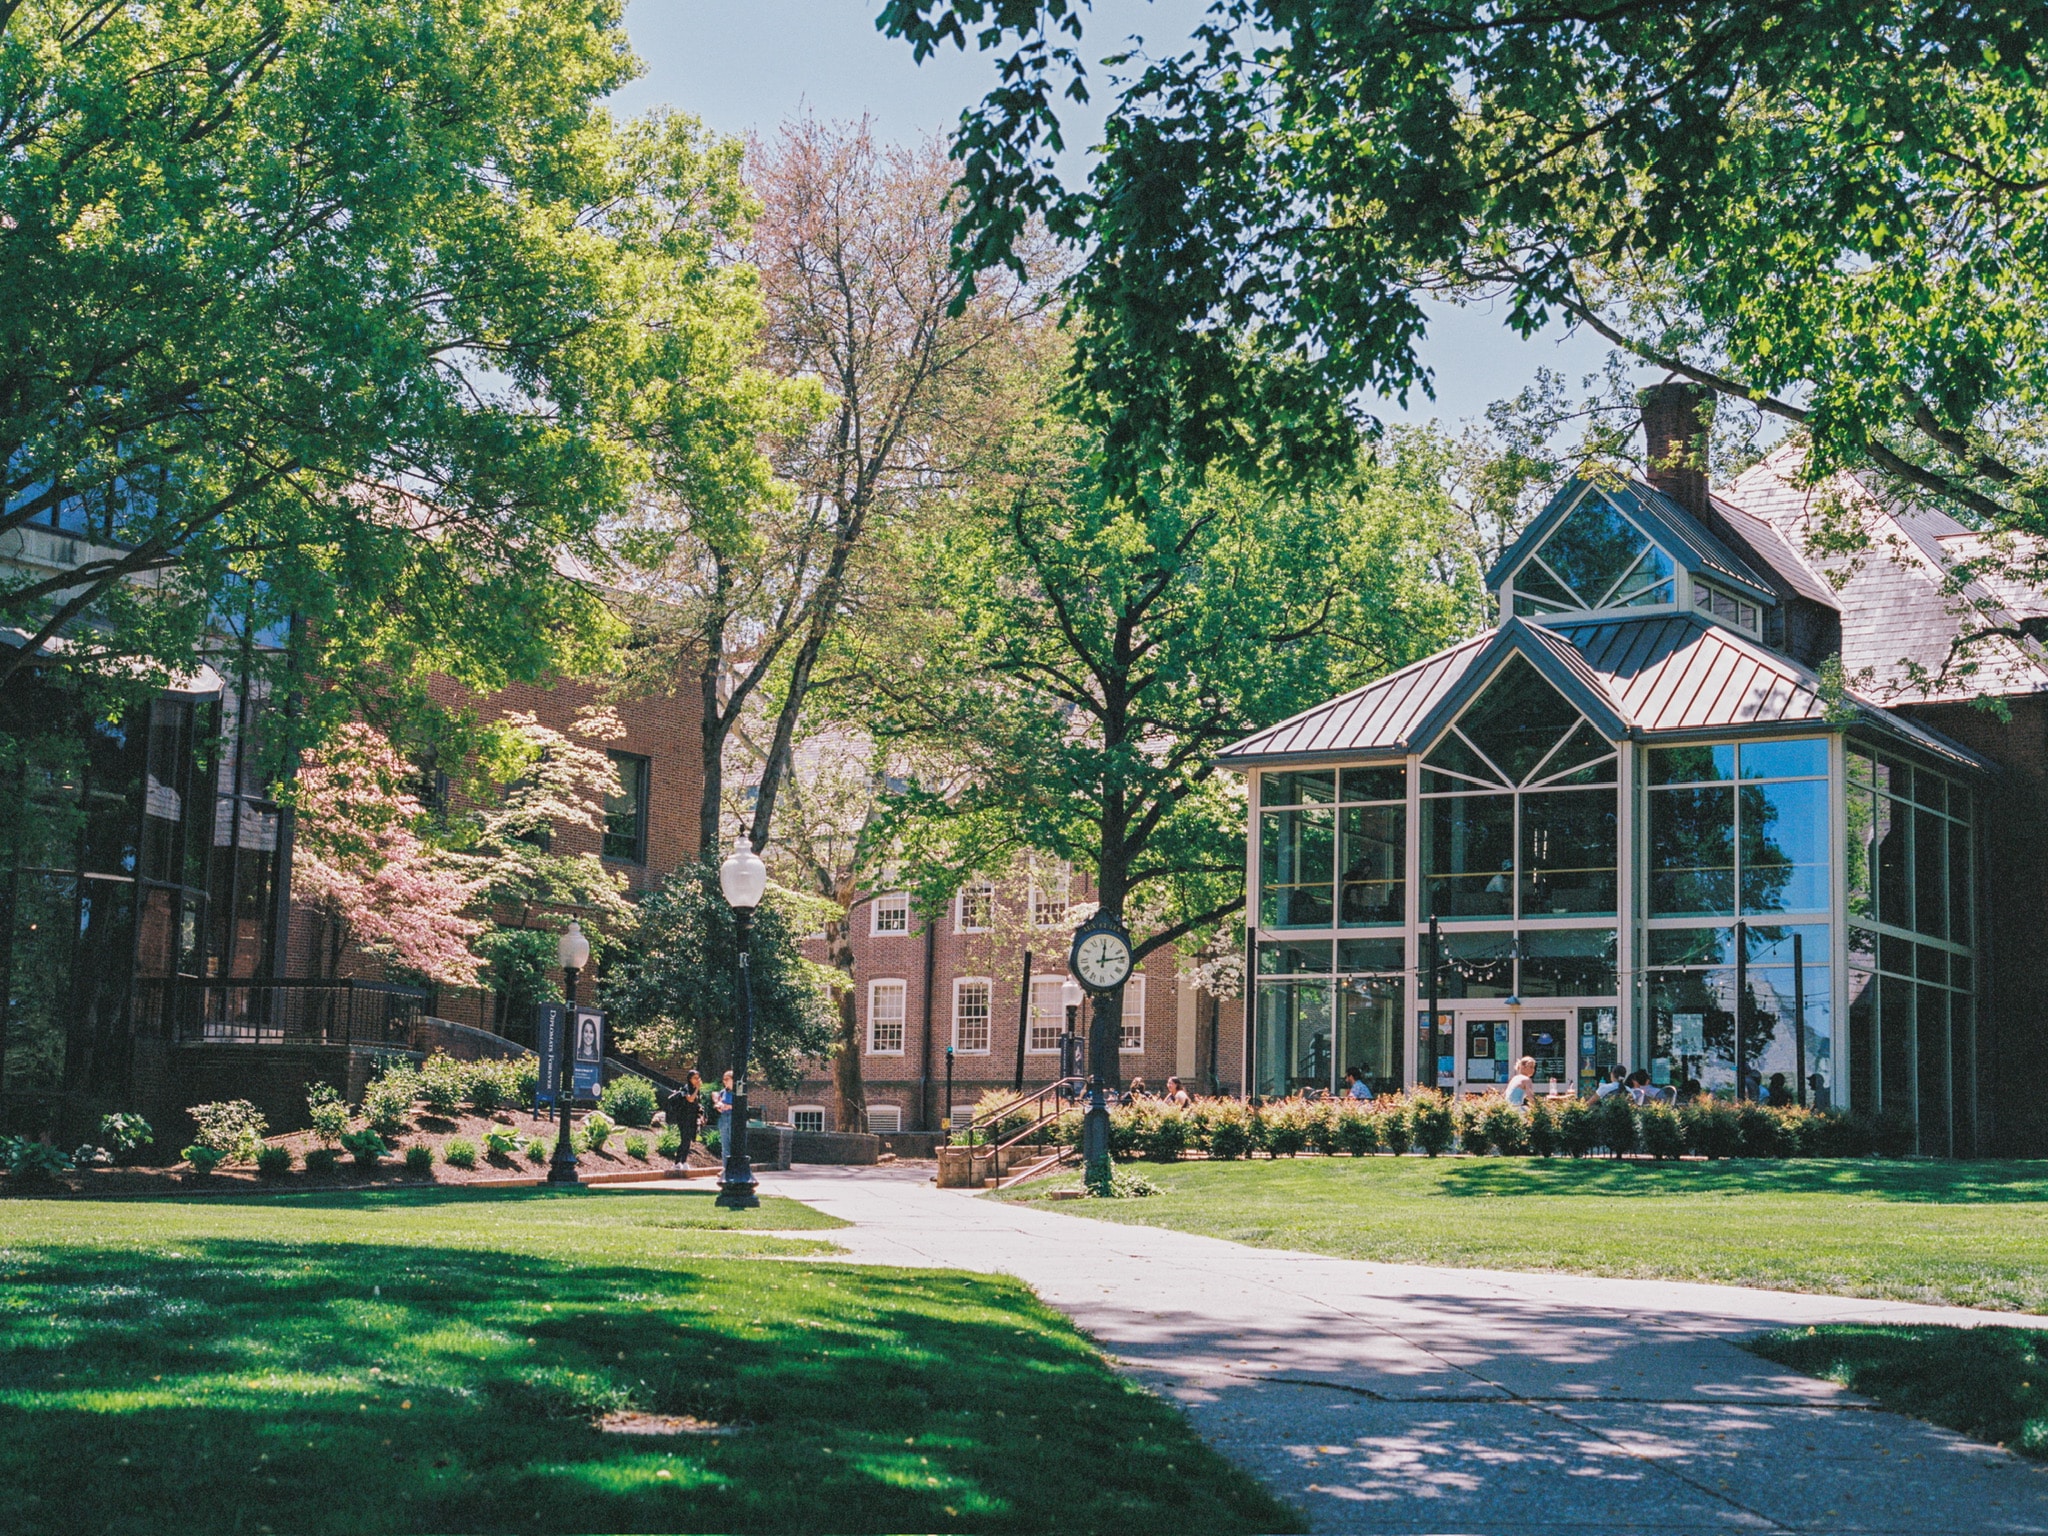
686,1113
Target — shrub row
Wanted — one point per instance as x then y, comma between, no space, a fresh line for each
1433,1124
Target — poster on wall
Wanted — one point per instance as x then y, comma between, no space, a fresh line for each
1432,1042
1688,1034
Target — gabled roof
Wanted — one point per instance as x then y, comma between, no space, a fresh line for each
1651,676
1676,531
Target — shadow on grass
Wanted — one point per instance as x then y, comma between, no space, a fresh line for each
1988,1383
1974,1183
220,1386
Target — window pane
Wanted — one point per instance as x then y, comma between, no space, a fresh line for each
1785,846
1297,868
1895,1044
1370,955
1785,759
1318,788
1576,962
1691,765
1931,1039
1649,582
1861,851
1374,855
1389,783
1539,584
1930,873
1692,852
1293,1049
1518,719
1648,597
1860,767
970,1016
1692,946
1454,755
1584,745
1468,851
624,812
1863,1030
1894,905
1369,1032
1592,550
1931,790
1287,957
1692,1029
1568,846
1473,965
1959,884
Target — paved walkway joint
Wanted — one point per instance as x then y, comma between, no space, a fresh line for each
1413,1401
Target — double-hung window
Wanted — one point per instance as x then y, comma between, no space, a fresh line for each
885,1017
971,1001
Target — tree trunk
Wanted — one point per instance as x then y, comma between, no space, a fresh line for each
712,723
849,1092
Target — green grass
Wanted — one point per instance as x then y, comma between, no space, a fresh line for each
436,1360
1989,1383
1973,1234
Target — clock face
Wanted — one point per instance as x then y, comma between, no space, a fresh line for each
1102,960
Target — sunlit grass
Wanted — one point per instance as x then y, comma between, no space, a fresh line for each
1972,1234
436,1361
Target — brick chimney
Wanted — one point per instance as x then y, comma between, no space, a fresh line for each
1676,420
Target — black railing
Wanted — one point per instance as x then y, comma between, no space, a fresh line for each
191,1010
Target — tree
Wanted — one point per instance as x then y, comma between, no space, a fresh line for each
362,315
359,858
1833,212
1087,652
676,998
863,307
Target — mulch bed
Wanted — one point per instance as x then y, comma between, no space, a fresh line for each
428,1130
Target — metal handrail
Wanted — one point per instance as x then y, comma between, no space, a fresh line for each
1042,1119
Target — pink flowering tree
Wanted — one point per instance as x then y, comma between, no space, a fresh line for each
362,861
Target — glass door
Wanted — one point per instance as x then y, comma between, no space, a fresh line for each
1483,1051
1549,1041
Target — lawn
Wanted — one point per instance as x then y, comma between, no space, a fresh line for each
441,1360
1973,1234
1989,1383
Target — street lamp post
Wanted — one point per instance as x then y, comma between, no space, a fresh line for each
744,879
1070,1054
574,953
946,1124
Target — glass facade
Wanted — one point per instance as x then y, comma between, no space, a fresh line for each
1333,848
1596,558
1911,937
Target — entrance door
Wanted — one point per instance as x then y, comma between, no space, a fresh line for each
1549,1041
1490,1043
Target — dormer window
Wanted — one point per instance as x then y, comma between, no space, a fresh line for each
1726,606
1595,559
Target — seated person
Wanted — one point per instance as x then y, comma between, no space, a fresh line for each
1817,1095
1616,1081
1177,1095
1779,1093
1355,1085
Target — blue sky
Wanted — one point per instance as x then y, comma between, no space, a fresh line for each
745,65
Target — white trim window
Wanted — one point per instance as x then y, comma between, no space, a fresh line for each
885,1119
885,1017
973,998
889,913
974,907
807,1117
1048,1017
1132,1035
1052,892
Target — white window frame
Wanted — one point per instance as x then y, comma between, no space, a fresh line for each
1131,1037
891,904
885,1119
1048,907
986,890
875,989
961,986
1045,986
817,1110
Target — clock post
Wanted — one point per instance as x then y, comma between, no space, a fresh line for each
1101,961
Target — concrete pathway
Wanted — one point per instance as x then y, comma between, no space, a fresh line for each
1408,1400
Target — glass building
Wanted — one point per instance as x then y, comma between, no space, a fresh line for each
1628,827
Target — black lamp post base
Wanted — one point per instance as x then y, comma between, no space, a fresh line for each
738,1196
563,1173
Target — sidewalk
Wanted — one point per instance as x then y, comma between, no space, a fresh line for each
1411,1400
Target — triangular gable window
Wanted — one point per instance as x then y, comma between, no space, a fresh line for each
1595,558
1519,731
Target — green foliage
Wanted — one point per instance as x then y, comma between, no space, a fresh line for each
525,1080
255,252
203,1159
419,1160
234,1129
501,1143
1614,1124
629,1101
1225,1128
675,994
321,1162
636,1148
713,1142
536,1151
326,1112
1430,1124
388,1100
457,1152
1660,1131
125,1135
998,1115
273,1162
443,1084
597,1130
1358,1129
1712,1128
1761,1131
1122,1184
365,1146
1397,1125
1545,1139
1286,1127
670,1145
491,1083
1505,1129
30,1161
1811,209
1578,1127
